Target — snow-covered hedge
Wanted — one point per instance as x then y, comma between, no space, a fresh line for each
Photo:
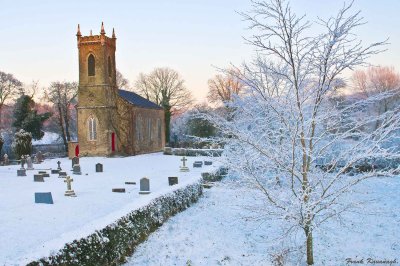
193,152
112,244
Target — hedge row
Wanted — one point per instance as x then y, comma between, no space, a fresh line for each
111,245
192,152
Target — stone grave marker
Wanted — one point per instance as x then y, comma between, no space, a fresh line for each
198,164
172,180
184,168
62,174
208,162
22,162
69,192
43,197
44,173
55,171
29,163
144,186
75,160
38,178
130,183
59,166
21,172
77,169
6,160
99,168
39,157
119,190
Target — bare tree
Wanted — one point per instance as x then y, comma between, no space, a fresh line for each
165,87
10,89
378,80
277,140
223,87
122,82
62,95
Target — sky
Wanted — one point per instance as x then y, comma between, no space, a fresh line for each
194,37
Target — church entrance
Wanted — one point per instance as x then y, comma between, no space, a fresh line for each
77,151
113,142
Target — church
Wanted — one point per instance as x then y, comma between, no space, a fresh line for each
111,121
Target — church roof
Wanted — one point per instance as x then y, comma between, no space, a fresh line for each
137,100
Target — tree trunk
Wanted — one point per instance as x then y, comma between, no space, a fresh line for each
167,113
60,123
310,253
66,121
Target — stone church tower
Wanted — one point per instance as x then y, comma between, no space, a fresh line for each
111,120
97,93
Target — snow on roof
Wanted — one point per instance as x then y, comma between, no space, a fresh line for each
137,100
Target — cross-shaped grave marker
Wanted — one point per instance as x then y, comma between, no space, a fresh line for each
69,191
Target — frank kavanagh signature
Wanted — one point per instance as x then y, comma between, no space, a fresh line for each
372,261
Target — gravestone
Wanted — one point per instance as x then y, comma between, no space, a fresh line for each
43,197
44,173
59,166
119,190
144,186
39,157
184,168
21,172
22,162
208,162
99,168
35,160
38,178
77,169
75,160
6,160
69,192
55,171
62,174
172,180
29,163
198,164
130,183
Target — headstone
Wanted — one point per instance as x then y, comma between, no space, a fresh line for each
75,160
144,186
6,160
59,166
120,190
62,174
35,160
198,164
39,156
43,197
29,163
21,172
208,162
77,170
44,173
22,162
130,183
69,192
38,178
99,168
184,168
55,171
172,180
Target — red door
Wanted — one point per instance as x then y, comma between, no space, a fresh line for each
77,150
113,142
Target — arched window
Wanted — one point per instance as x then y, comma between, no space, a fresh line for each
91,65
159,129
139,135
109,67
92,128
149,127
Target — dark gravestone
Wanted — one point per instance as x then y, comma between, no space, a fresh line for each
55,171
21,172
43,197
77,169
99,168
59,166
172,180
62,174
130,183
38,178
198,164
75,160
144,186
120,190
207,162
44,173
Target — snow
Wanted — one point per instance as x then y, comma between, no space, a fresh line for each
36,230
226,228
48,138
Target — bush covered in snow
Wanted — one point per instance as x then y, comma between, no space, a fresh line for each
112,244
22,144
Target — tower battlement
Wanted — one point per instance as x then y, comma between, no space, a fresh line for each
93,39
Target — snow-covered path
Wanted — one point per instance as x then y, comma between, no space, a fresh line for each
218,231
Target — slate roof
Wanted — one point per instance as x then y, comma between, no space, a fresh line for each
137,100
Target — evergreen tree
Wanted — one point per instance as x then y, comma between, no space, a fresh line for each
27,118
22,144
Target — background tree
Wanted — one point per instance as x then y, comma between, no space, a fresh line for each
27,118
276,139
22,143
122,82
10,88
223,86
62,95
165,87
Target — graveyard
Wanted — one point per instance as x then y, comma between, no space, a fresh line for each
82,202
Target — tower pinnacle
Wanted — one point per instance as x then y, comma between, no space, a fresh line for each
102,32
78,33
113,34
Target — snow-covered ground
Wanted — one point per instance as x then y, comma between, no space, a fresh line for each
29,231
223,228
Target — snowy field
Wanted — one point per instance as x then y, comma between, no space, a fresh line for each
223,228
29,231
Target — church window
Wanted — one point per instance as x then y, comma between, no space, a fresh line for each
109,67
149,126
91,65
92,125
159,129
139,134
